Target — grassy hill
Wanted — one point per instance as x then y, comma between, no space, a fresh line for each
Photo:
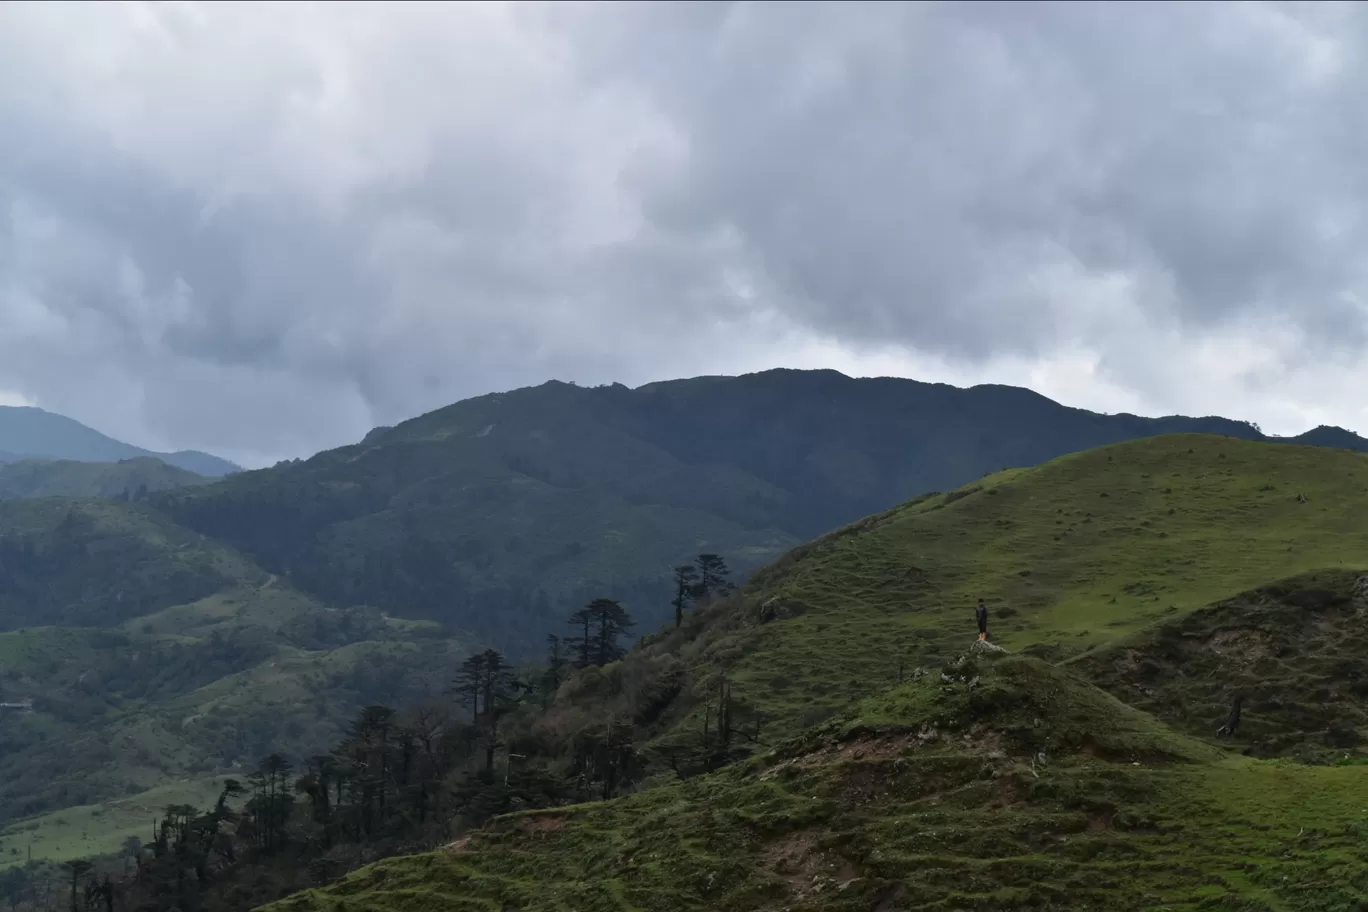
500,514
1070,556
1174,572
32,433
31,478
1296,652
134,652
1015,786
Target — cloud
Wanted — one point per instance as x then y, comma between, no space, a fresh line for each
261,229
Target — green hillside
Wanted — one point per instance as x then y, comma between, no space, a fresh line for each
1070,556
501,514
1015,786
1175,572
98,562
134,652
1295,653
64,478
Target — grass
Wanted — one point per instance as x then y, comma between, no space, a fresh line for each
1075,554
1027,789
1295,650
99,829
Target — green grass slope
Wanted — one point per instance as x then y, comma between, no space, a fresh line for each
1007,784
64,478
1296,652
1070,556
99,829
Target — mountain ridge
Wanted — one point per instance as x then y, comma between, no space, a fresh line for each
28,432
513,506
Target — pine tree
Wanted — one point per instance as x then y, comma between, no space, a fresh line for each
612,621
555,668
712,576
582,620
484,683
686,584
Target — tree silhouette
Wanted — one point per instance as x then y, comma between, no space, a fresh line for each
582,620
555,668
485,683
686,585
712,576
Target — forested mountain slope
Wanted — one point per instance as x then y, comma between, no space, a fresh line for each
133,651
500,513
129,478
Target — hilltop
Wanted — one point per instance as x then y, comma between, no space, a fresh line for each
1172,571
32,433
502,513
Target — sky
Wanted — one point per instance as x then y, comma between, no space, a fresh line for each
261,230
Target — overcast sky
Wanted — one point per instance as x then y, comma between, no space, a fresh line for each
261,230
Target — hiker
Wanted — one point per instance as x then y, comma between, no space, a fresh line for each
981,612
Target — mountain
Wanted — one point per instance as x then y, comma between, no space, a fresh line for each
31,433
502,514
1137,589
189,632
29,478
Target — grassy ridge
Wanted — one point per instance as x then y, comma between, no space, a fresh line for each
1295,652
1080,552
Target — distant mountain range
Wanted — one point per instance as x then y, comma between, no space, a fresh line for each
32,433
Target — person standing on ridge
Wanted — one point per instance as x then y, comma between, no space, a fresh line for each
981,612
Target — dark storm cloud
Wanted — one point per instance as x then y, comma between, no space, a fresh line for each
904,169
261,230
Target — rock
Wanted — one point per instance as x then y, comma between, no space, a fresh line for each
983,647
